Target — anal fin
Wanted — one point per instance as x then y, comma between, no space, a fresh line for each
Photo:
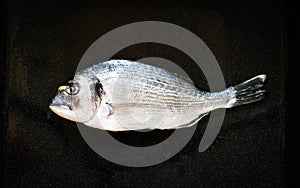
193,122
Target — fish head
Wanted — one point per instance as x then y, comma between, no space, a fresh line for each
78,100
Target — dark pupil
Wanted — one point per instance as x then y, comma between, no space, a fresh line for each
72,89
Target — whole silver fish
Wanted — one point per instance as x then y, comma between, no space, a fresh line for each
121,95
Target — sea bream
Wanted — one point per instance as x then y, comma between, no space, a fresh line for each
122,95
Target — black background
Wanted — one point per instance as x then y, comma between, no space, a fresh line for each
44,42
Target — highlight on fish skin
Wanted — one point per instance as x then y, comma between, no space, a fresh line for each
122,95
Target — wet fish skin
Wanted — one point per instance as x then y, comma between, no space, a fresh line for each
121,95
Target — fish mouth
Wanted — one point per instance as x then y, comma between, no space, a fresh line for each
63,111
62,106
58,107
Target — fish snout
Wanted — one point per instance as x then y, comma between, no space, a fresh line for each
63,111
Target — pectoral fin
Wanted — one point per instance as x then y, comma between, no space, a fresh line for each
106,110
110,109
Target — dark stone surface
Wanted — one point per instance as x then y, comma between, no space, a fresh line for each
45,42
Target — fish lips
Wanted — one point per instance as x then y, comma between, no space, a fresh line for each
59,106
63,111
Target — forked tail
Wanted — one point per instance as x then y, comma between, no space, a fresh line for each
247,92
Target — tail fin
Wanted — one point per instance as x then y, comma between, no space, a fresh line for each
248,91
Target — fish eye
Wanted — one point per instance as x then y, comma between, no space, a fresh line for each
72,88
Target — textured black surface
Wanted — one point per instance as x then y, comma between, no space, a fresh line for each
45,42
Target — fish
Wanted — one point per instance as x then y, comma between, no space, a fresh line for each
124,95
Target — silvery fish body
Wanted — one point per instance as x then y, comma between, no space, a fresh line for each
121,95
